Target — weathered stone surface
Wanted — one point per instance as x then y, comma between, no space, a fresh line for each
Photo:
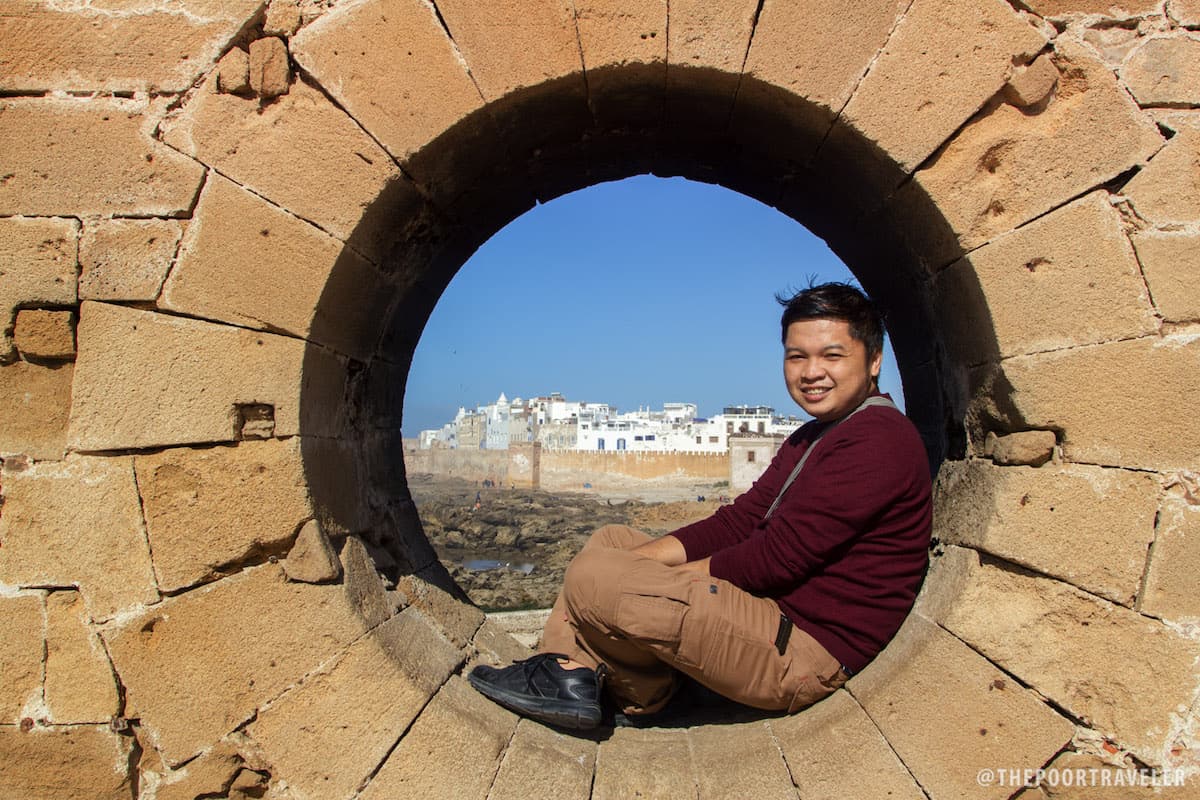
823,766
1089,526
250,263
209,511
803,48
1063,643
1175,560
78,522
1026,448
182,380
260,147
196,666
1076,776
938,702
312,558
1171,263
1007,167
379,87
1121,9
23,620
498,647
35,402
452,750
514,44
541,762
283,18
1185,12
270,72
146,47
79,680
630,35
37,266
1114,43
1068,278
458,619
207,774
651,763
1072,391
232,74
1031,84
364,586
82,157
1164,71
368,697
1176,120
126,259
1167,191
938,67
739,761
77,762
44,334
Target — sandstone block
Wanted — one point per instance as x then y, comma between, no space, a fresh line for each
380,87
1121,9
1086,655
652,762
259,148
452,750
1026,448
936,70
44,334
1085,777
250,263
541,762
183,380
938,702
35,402
208,773
85,48
710,35
497,647
76,762
233,72
1171,263
1185,12
364,585
1068,278
79,677
632,36
368,697
78,522
1089,526
1068,391
37,266
1177,120
1167,190
198,665
1164,71
1170,581
312,558
90,157
126,259
283,18
210,511
1031,84
814,742
1007,167
459,619
1113,43
739,761
514,44
805,49
270,72
23,619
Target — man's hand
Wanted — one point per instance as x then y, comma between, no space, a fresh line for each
669,550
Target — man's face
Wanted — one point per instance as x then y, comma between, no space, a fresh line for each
828,372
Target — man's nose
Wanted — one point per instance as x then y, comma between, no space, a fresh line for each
813,369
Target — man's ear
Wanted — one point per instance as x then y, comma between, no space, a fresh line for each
876,365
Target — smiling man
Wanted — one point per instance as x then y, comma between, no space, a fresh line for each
774,600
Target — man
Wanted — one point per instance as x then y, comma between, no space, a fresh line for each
775,600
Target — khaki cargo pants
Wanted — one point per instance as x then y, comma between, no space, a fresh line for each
645,620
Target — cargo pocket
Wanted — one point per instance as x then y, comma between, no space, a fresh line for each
656,619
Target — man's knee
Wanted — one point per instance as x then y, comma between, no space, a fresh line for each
592,581
621,537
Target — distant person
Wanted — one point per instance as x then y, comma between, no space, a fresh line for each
774,600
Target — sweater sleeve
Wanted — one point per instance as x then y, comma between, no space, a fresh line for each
844,488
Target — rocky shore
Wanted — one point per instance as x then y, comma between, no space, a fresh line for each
508,548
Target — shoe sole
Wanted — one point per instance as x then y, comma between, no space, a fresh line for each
574,714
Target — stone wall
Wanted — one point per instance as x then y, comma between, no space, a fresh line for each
223,226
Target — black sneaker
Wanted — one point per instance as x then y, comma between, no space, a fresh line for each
541,689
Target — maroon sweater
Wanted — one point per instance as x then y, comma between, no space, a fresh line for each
845,551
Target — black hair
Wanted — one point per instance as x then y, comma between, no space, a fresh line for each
836,301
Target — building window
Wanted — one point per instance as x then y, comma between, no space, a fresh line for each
711,439
699,437
621,443
762,427
751,456
600,444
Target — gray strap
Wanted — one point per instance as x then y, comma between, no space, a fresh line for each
876,400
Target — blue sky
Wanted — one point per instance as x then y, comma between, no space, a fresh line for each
634,293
